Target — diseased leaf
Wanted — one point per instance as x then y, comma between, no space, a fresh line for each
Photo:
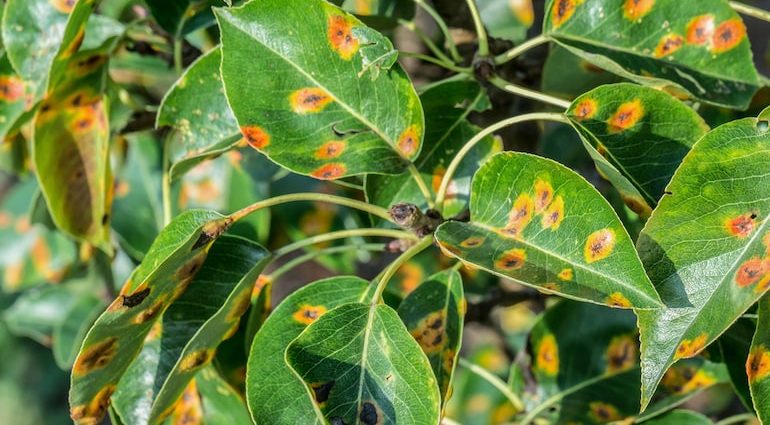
433,315
196,108
758,363
361,364
637,136
274,393
706,243
539,223
693,49
507,19
118,334
70,150
446,107
14,96
327,115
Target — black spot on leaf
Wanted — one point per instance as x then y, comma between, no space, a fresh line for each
368,414
135,299
321,391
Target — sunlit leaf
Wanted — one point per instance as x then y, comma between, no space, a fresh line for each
447,129
637,136
694,49
706,243
333,112
541,224
361,364
118,334
433,315
275,394
758,363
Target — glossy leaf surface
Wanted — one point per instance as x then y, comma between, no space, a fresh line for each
758,363
695,49
341,106
706,243
361,364
637,137
539,223
433,315
447,129
274,393
118,334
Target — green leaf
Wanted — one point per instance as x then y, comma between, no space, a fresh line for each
704,244
221,403
582,75
680,417
68,334
758,363
383,14
208,312
637,136
174,16
507,19
541,224
446,106
197,110
70,151
118,334
361,364
274,393
14,97
433,315
36,313
328,115
734,346
697,50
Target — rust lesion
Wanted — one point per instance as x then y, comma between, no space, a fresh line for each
95,356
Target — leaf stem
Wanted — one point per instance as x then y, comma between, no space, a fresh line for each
294,262
452,168
342,234
311,196
532,415
752,11
516,51
417,177
165,184
395,265
495,381
743,417
411,26
444,29
528,93
178,66
481,33
447,65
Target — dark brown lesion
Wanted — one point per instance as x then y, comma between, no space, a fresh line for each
321,391
136,298
369,414
96,356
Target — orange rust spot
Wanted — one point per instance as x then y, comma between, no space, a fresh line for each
472,242
553,215
601,412
523,11
766,241
636,9
626,116
196,359
63,6
22,225
543,195
449,250
566,274
689,348
95,356
750,272
307,313
309,100
585,109
547,360
411,275
622,353
240,305
150,312
700,29
637,205
616,299
329,171
255,136
599,245
668,44
409,141
741,226
261,282
758,364
41,259
429,332
188,410
11,89
728,35
520,216
513,259
448,360
549,286
563,10
684,379
94,411
340,35
331,149
435,182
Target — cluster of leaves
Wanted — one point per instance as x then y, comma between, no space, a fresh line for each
171,158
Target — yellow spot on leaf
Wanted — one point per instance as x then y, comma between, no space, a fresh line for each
622,353
601,412
255,136
635,9
563,10
309,100
429,332
566,274
262,281
728,35
63,6
547,360
616,299
689,348
599,245
409,141
341,38
758,364
700,29
329,171
331,149
196,359
307,313
523,11
411,275
520,216
626,116
95,356
11,89
684,379
668,44
750,272
742,226
93,412
188,410
554,214
510,260
585,109
472,242
543,195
